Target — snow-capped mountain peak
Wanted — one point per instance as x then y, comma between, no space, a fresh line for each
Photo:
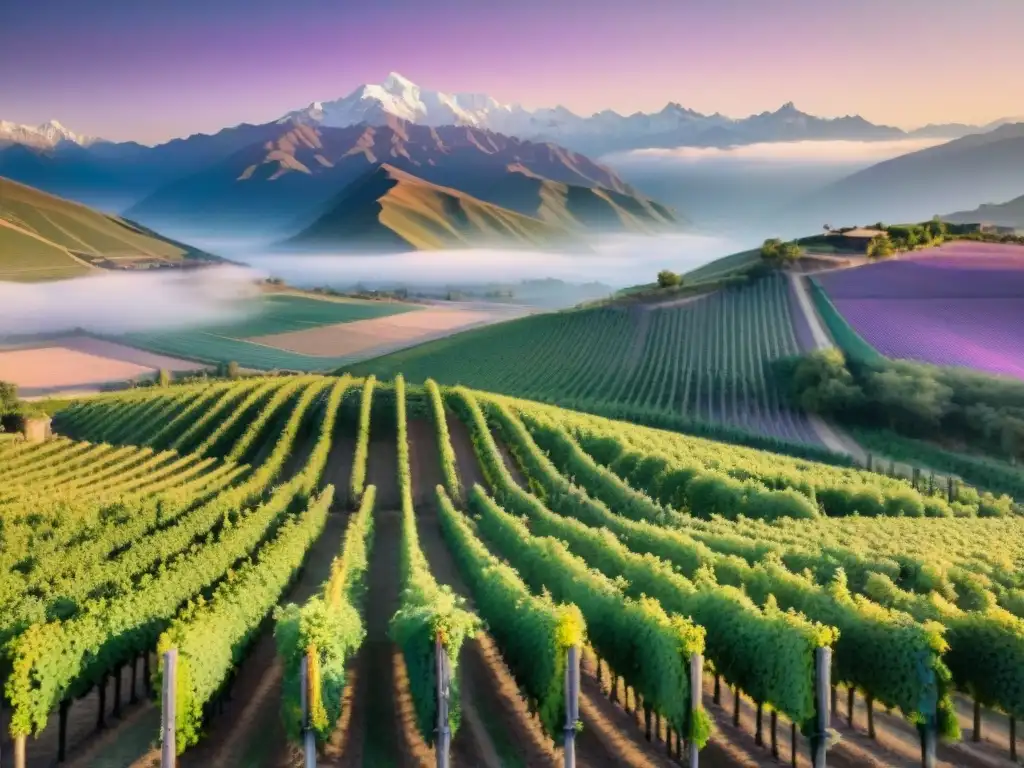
47,135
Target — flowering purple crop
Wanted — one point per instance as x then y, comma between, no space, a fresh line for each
962,305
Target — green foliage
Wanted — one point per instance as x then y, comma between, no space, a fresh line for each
776,251
327,630
444,443
212,635
880,247
848,340
53,659
532,633
428,612
362,451
669,279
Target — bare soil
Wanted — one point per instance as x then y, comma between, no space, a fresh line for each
365,335
465,455
82,735
80,362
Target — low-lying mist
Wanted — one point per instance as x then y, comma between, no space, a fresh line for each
616,260
119,302
749,190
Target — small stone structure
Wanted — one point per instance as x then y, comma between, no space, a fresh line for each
37,429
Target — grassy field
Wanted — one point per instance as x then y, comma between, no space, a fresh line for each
270,314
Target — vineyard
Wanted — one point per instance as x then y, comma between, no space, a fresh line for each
704,361
383,572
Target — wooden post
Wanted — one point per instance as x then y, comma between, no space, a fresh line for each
823,682
792,745
1013,738
929,735
717,698
572,706
775,734
647,721
851,694
62,730
308,742
696,691
444,733
169,736
19,751
736,705
759,725
976,734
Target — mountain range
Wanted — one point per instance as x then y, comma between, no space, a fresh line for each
1009,214
957,175
602,132
276,179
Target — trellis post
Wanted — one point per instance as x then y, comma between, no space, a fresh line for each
168,752
572,703
823,684
308,742
444,733
696,690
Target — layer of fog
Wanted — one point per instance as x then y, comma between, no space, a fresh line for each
119,302
857,153
749,191
615,260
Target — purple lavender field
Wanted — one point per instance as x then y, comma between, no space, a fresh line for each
959,305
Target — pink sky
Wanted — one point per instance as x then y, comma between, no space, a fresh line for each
153,70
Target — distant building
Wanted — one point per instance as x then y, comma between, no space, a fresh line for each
36,429
854,239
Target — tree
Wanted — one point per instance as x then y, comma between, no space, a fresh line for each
163,378
669,279
232,370
790,252
770,248
880,247
9,402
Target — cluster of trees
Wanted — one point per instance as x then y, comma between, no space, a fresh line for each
14,410
911,399
776,251
669,279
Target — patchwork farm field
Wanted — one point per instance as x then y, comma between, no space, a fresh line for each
291,332
702,360
371,531
80,363
958,305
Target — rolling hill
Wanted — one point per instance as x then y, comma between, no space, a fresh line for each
1009,214
958,175
281,186
43,237
389,209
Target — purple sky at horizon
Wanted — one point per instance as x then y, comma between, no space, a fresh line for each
151,71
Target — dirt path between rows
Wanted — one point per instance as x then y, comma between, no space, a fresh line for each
465,456
497,727
379,730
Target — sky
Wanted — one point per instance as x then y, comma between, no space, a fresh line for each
151,70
